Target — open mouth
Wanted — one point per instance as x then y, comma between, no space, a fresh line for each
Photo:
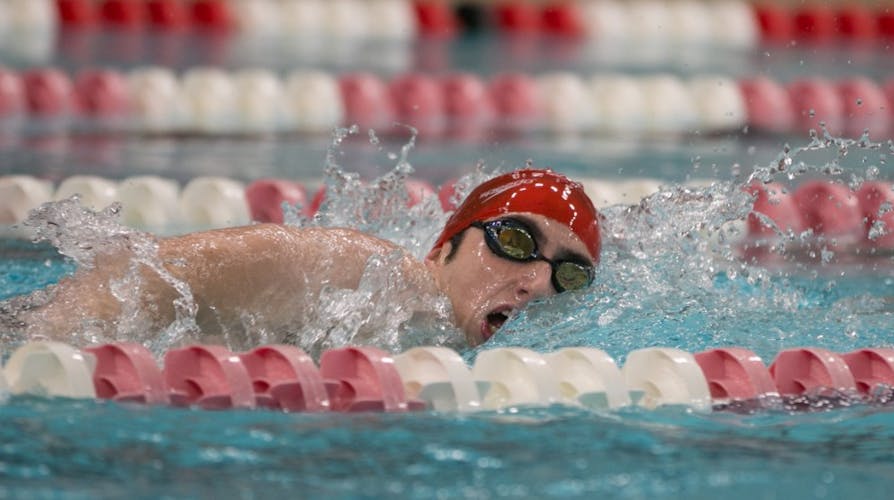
494,321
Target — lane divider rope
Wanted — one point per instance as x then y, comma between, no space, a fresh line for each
460,106
363,379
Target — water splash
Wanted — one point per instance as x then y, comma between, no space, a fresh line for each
673,274
91,239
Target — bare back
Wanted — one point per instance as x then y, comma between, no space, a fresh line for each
270,274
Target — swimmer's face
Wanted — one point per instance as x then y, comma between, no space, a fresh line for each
485,288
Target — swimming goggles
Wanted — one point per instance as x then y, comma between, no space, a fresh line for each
512,239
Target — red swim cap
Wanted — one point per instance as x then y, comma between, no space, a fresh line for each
541,192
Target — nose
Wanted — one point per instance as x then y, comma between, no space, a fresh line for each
534,281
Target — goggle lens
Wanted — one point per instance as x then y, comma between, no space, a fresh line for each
513,241
516,242
571,276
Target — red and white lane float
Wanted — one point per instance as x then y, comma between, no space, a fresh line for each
366,379
844,218
456,105
31,25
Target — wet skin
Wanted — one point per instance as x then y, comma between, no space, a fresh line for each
485,289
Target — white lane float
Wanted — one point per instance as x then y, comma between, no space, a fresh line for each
50,369
93,191
150,202
209,98
214,202
666,376
155,97
21,193
259,101
439,377
517,377
589,377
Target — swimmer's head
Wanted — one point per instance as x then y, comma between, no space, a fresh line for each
535,191
517,237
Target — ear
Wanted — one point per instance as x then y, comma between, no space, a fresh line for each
439,254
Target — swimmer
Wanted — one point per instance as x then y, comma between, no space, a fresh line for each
517,237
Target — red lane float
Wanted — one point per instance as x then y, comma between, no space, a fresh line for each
777,23
435,18
877,206
516,17
419,102
78,13
830,209
768,105
102,93
168,14
816,104
815,22
210,377
799,371
13,101
865,107
365,379
128,372
214,15
735,373
367,101
266,196
467,105
871,368
48,92
856,22
123,13
774,202
563,18
285,377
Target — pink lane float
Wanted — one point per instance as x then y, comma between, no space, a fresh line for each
842,217
366,379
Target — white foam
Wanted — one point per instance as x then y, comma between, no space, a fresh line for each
95,192
259,101
150,202
669,107
155,99
734,23
621,102
214,202
719,103
567,104
21,193
313,102
209,97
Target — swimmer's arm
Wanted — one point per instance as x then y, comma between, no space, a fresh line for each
264,269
